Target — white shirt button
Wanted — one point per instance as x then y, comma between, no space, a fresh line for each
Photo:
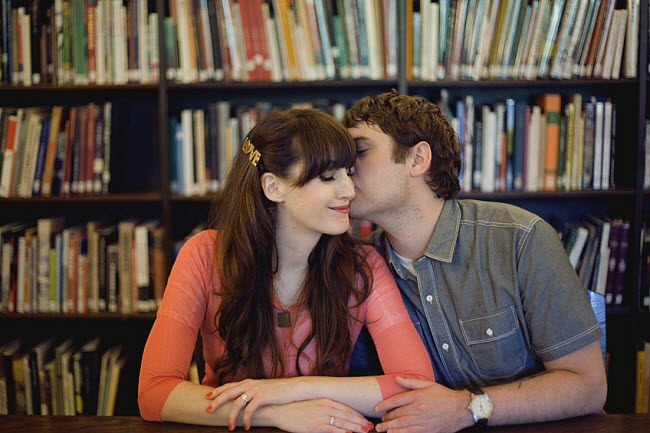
489,332
429,298
445,346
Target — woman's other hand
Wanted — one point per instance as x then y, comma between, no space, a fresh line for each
319,416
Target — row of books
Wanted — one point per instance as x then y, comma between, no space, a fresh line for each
554,143
598,250
55,150
642,395
203,142
60,377
97,266
107,42
79,42
280,40
520,39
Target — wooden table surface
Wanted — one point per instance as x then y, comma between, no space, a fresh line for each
628,423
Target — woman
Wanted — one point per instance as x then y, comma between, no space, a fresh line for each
280,292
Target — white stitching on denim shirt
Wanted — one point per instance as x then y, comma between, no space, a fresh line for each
525,237
570,340
511,310
494,224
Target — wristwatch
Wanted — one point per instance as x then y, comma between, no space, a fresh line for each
480,406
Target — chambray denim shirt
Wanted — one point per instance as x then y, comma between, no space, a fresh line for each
494,296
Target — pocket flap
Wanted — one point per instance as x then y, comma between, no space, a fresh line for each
491,327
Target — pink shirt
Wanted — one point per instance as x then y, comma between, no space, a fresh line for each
189,306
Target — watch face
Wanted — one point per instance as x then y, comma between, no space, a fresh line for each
481,406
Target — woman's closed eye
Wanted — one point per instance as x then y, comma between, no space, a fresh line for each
326,177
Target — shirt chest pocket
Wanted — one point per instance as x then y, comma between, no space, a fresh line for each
495,343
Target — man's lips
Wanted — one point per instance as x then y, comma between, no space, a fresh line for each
342,209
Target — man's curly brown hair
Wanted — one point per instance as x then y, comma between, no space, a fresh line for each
409,120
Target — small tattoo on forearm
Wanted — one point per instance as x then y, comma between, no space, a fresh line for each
541,373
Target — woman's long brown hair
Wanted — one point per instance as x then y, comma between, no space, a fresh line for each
246,251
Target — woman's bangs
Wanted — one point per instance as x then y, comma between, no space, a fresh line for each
326,151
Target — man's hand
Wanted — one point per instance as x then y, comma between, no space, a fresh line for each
426,407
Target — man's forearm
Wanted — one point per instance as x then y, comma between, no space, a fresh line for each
549,395
570,386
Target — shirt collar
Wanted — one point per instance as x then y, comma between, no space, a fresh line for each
441,245
443,241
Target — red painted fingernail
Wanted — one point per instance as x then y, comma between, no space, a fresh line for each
370,425
207,409
348,431
230,427
209,394
246,427
365,428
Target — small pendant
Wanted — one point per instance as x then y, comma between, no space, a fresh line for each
284,319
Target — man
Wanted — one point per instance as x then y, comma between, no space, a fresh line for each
509,329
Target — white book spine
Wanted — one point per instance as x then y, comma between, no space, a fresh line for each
199,151
30,152
618,52
188,153
468,168
533,149
19,305
612,40
100,35
27,50
607,142
598,147
434,10
143,41
141,258
487,155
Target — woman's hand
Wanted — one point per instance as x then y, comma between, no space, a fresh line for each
319,416
251,394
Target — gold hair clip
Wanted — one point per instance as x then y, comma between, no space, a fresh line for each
249,149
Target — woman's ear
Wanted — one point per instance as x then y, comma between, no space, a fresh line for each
271,186
421,157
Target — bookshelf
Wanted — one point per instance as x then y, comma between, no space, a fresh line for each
141,173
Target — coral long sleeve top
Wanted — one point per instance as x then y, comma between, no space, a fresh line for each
189,305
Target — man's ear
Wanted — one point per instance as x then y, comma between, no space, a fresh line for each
421,158
272,187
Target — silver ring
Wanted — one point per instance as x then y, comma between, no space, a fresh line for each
244,397
332,421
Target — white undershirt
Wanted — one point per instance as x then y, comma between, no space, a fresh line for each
407,263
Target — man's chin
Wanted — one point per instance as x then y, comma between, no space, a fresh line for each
355,215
